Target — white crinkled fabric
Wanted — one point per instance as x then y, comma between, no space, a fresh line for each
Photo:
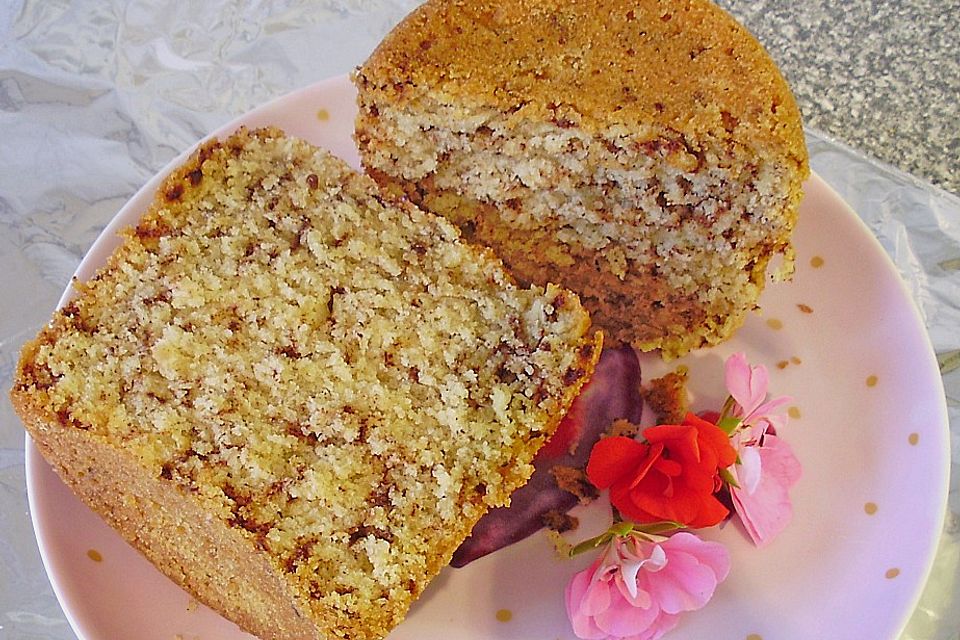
97,95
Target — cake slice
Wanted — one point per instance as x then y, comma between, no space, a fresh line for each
648,155
294,397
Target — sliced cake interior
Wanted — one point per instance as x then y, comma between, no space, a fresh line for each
648,155
294,397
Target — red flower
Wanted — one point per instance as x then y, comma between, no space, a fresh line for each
672,476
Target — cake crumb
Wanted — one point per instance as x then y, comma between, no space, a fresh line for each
559,521
667,396
574,480
560,546
624,428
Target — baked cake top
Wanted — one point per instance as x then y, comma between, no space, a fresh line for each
684,65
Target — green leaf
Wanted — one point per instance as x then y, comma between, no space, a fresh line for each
726,408
591,543
623,528
727,477
656,528
729,424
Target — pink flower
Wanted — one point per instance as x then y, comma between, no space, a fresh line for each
748,388
762,500
766,468
641,583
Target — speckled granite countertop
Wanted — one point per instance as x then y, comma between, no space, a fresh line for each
96,96
882,76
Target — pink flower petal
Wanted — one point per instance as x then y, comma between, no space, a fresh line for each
634,557
768,409
685,586
767,511
583,625
677,574
747,385
664,623
586,628
749,470
576,589
693,570
597,599
622,619
657,629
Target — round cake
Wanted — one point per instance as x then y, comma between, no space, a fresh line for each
647,155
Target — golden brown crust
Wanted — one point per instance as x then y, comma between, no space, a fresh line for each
217,490
220,565
679,65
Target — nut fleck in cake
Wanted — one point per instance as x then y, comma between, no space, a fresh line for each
647,154
295,398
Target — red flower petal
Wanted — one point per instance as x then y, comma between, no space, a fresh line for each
614,458
651,459
711,512
713,437
671,477
668,432
709,416
696,510
681,440
622,498
669,468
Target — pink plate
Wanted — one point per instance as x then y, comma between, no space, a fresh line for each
870,427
